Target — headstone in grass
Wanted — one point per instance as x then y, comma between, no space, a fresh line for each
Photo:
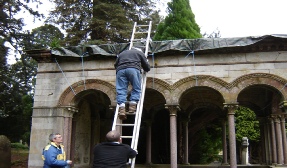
5,152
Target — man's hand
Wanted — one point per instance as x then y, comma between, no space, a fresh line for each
69,161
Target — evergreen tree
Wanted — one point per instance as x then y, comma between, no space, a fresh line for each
15,87
179,24
101,21
46,36
11,24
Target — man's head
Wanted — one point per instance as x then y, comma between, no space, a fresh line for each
56,137
113,136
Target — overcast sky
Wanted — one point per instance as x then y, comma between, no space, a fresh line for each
240,18
233,18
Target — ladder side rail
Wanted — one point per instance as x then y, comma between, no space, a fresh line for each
139,113
133,35
138,121
115,118
140,108
148,39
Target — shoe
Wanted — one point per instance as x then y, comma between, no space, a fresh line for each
122,113
132,108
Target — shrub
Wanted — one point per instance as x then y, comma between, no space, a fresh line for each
19,146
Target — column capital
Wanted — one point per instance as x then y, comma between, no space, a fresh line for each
276,117
173,108
72,110
230,107
283,106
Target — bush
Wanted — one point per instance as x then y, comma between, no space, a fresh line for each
19,146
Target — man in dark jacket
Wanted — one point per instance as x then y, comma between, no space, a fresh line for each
112,154
128,66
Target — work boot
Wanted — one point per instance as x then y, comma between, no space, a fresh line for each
122,113
132,107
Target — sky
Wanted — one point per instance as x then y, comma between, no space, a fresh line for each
233,18
241,18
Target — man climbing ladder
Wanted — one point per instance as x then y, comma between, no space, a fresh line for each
128,65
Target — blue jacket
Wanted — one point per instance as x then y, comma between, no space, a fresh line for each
54,156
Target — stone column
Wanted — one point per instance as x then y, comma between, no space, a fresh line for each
148,142
278,139
284,140
224,143
273,141
173,134
283,107
185,128
67,136
262,138
268,142
231,107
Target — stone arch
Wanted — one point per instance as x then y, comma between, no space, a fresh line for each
200,80
68,97
271,80
159,85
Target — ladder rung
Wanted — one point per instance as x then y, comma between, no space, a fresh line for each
140,32
142,40
142,26
130,113
125,124
126,136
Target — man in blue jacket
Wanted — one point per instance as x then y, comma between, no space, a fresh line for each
128,66
53,154
112,154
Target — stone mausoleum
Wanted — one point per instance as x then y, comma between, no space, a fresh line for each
192,84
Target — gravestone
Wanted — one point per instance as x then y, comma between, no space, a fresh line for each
5,152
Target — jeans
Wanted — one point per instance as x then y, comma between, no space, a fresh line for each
124,76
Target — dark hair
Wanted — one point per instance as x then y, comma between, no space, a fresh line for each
113,136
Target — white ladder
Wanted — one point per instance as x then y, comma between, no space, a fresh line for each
138,32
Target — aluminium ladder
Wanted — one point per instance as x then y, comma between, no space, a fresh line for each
137,38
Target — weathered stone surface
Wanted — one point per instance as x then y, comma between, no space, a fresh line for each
5,152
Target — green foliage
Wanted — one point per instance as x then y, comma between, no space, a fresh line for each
11,22
179,24
19,146
210,144
246,125
17,98
104,21
47,36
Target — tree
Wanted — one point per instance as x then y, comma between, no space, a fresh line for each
179,23
101,21
246,125
15,79
11,25
46,36
17,98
